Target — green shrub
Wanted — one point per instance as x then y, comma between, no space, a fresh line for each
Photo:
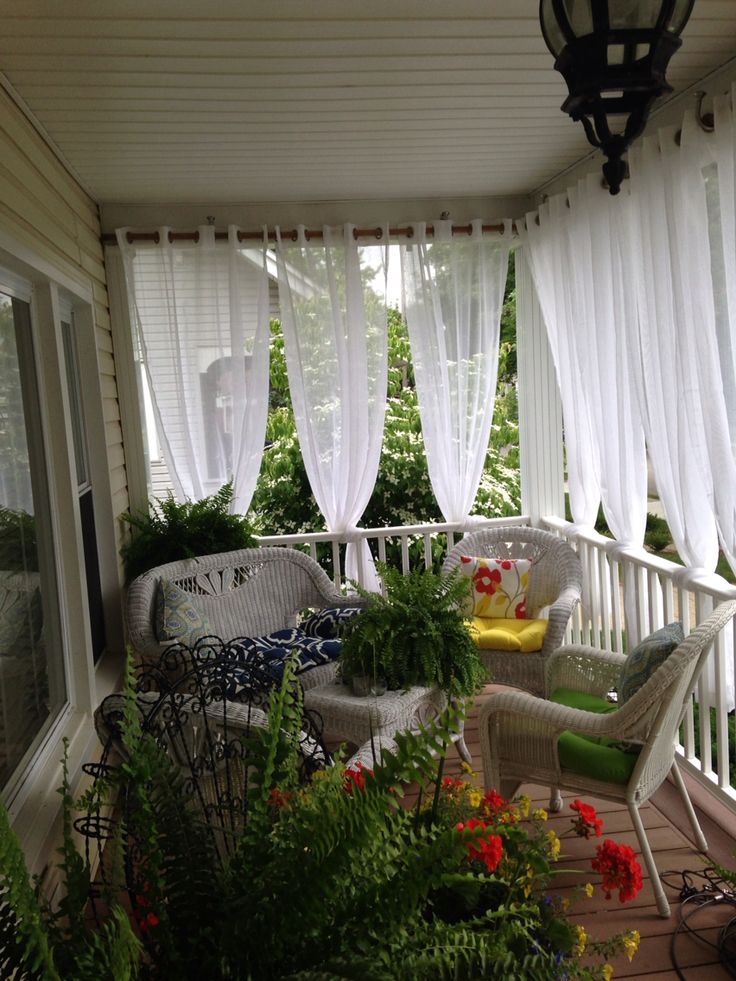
18,545
713,743
172,531
284,504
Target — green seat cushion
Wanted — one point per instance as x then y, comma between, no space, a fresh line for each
597,757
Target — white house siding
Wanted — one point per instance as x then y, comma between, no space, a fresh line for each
42,205
50,237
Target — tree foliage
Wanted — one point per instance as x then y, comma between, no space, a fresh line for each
283,502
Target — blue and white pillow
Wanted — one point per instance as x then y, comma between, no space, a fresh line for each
329,623
646,657
177,616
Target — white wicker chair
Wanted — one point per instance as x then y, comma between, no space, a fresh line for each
555,581
519,733
246,593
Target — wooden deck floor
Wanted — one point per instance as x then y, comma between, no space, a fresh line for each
668,829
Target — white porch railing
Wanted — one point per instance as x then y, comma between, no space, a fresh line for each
417,545
628,594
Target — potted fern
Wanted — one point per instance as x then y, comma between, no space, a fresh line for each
415,633
173,530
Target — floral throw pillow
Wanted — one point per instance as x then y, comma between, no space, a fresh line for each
499,586
177,617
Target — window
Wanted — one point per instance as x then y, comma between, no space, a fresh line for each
32,679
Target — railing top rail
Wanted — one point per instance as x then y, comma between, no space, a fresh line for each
706,582
390,532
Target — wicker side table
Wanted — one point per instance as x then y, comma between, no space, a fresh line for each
355,718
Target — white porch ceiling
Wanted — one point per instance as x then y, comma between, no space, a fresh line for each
155,101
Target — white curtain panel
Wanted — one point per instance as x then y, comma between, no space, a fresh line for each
333,308
553,262
453,290
721,199
201,314
587,299
681,386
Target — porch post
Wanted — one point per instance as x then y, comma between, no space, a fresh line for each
540,411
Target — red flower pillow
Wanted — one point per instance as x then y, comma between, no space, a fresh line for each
499,586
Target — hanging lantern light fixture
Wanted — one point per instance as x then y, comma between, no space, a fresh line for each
613,54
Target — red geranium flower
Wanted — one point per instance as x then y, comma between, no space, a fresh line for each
278,798
355,777
587,822
493,802
487,850
619,868
486,580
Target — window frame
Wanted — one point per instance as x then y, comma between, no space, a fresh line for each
31,796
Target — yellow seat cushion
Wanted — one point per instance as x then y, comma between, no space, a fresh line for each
498,634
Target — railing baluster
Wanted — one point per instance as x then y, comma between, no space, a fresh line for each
405,554
427,551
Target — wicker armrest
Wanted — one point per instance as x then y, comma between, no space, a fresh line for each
584,669
523,710
559,617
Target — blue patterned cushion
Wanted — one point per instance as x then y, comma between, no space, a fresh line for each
177,617
328,623
273,649
646,657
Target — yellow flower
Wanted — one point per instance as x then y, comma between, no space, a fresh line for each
553,845
524,803
467,767
582,939
631,943
607,972
475,797
564,905
588,888
539,814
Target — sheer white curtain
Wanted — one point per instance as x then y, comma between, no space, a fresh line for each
453,290
721,199
577,261
200,311
333,310
680,375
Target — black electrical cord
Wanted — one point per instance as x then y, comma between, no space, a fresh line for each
699,889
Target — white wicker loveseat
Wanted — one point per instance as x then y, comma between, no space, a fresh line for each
246,593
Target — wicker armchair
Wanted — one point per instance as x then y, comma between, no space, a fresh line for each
555,581
246,593
520,733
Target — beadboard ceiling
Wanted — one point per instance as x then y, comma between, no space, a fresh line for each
151,101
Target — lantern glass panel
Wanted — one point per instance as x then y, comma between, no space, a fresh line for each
580,16
632,14
551,30
680,15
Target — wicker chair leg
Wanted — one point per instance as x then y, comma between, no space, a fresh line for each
662,905
462,749
555,800
700,839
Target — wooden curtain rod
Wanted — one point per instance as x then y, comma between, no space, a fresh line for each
406,231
